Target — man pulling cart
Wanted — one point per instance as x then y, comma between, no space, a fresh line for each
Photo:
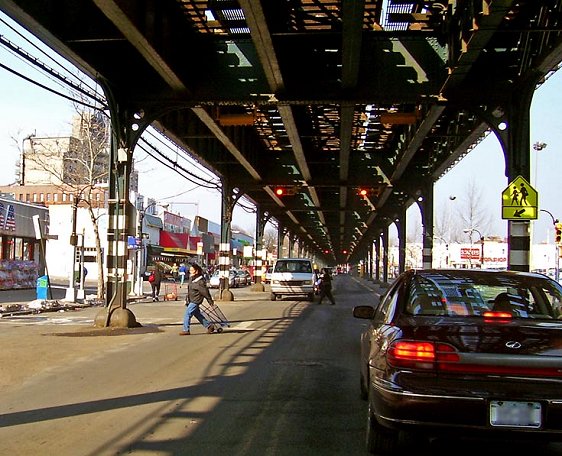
197,292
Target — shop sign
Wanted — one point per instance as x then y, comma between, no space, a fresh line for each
469,253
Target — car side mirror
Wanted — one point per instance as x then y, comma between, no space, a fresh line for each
365,312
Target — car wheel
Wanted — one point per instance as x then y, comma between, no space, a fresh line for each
363,387
273,296
379,439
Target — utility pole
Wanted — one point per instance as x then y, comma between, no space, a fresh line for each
557,243
71,290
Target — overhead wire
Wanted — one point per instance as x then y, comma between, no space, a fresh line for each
158,136
23,55
169,163
209,182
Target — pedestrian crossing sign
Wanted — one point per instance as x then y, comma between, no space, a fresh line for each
520,201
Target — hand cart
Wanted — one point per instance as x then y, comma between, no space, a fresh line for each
170,291
215,316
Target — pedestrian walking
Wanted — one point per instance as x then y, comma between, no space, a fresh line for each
155,279
197,291
325,283
174,271
182,270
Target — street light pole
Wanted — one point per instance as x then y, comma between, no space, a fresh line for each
142,255
556,252
446,249
71,290
474,230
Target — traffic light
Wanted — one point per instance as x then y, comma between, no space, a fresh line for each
283,190
558,233
368,192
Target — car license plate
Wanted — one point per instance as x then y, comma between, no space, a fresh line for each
515,414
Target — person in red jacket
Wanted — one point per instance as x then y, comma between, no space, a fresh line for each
155,279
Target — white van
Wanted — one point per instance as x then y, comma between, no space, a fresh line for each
292,276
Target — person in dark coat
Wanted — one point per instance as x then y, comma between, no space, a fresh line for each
326,286
197,291
155,283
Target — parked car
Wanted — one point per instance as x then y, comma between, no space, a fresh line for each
243,278
469,352
214,281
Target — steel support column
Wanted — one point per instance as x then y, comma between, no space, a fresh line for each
385,247
426,205
510,121
378,258
260,265
126,129
229,197
401,228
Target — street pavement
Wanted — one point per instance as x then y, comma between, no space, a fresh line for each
274,382
18,300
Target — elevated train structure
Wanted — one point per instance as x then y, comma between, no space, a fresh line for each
323,98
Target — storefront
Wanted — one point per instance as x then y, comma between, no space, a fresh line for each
21,260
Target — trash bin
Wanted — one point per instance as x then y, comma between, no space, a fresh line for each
42,286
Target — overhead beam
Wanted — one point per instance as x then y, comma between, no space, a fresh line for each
425,126
206,118
120,19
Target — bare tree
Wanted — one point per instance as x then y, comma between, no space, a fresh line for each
78,166
270,240
472,214
446,228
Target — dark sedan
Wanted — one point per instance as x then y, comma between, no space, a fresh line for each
478,353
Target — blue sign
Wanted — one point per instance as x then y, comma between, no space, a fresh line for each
134,242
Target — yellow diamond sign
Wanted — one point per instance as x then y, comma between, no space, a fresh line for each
520,201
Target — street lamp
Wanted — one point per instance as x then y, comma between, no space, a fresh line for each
22,159
556,253
142,256
446,248
474,230
538,146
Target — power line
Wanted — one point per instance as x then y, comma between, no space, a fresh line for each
169,163
22,53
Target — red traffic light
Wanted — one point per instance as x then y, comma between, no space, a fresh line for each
284,190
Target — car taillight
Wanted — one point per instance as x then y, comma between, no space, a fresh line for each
420,354
495,316
439,357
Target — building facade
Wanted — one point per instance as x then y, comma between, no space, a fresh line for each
22,258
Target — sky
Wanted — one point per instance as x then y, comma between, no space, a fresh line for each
26,109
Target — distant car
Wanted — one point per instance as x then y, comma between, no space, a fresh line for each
214,281
267,277
292,277
243,278
464,351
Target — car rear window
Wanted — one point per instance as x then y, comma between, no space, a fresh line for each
455,295
293,266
